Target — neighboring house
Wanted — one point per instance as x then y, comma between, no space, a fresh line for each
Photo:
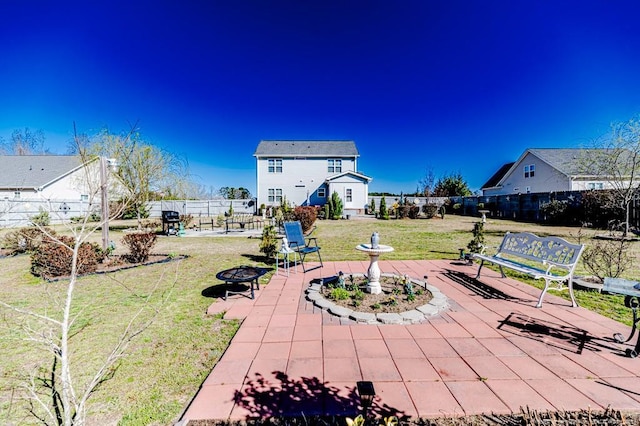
48,177
544,170
308,172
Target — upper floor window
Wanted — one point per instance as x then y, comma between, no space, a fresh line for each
322,192
275,195
349,195
335,166
529,170
275,165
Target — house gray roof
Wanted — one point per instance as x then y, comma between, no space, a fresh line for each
570,161
272,148
34,171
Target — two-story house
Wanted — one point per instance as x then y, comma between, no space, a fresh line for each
546,170
308,172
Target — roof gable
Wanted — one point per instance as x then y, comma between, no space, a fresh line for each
358,176
35,171
497,176
272,148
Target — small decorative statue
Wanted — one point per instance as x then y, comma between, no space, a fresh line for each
375,240
341,280
285,246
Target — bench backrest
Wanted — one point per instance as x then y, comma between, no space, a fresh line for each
533,247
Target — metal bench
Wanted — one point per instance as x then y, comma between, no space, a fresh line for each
242,220
550,258
631,292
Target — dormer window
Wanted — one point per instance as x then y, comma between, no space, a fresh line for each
529,171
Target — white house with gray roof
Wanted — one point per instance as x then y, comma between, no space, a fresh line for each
46,177
545,170
308,172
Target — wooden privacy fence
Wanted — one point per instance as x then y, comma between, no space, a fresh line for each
528,207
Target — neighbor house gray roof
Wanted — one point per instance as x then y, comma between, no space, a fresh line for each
34,171
306,149
569,161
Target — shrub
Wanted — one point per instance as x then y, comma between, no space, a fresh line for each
25,240
384,212
335,206
326,211
54,257
268,244
477,242
372,206
429,210
339,294
307,216
41,219
607,258
140,245
185,220
414,211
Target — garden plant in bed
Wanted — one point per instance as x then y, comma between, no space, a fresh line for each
399,293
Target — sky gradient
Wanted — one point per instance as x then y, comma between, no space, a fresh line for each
448,86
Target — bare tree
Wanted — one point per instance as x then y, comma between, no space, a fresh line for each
143,169
24,142
615,160
57,393
427,184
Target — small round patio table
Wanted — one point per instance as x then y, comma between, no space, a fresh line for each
239,275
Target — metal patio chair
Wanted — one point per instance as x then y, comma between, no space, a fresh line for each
301,245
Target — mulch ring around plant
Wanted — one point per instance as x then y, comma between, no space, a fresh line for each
394,297
116,263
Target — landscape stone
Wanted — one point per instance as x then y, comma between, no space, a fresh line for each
388,318
366,317
428,309
413,316
340,311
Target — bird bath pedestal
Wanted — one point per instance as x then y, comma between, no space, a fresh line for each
373,275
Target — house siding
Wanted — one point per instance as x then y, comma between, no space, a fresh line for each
302,177
545,179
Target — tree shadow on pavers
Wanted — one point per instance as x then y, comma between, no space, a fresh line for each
481,289
560,336
283,396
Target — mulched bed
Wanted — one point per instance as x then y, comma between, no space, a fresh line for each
385,302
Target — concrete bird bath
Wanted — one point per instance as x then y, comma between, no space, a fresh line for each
373,274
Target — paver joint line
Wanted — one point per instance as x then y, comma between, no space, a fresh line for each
457,362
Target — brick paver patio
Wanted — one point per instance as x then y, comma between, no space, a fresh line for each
491,351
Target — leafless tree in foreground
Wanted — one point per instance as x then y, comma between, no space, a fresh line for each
615,160
57,392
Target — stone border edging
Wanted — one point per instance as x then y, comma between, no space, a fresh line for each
437,304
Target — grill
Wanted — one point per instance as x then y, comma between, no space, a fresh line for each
170,219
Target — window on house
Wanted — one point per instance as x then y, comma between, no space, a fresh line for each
322,192
84,197
275,195
349,195
595,185
529,170
335,166
275,165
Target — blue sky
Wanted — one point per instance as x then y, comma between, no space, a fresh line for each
448,86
